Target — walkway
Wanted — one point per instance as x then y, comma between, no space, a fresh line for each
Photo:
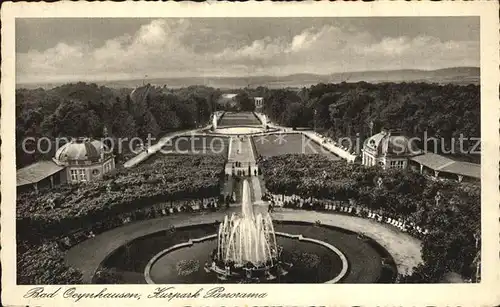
241,157
156,147
87,255
241,150
405,249
344,154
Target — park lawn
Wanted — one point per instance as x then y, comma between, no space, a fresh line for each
281,144
197,144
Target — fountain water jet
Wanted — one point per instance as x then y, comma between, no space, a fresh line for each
246,247
214,121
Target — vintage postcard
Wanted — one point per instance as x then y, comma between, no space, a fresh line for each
250,154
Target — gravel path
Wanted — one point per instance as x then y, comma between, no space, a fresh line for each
87,255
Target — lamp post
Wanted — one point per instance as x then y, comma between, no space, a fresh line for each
314,120
437,198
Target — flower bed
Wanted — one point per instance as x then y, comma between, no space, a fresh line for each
187,267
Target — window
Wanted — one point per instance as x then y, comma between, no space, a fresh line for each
398,164
82,175
107,167
74,175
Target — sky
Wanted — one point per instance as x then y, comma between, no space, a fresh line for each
99,49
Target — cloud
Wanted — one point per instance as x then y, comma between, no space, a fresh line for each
162,48
331,49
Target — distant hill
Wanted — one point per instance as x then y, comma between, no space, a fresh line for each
455,75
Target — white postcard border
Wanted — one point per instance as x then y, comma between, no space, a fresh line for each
484,293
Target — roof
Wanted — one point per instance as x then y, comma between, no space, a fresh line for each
444,164
432,160
229,96
375,139
390,143
138,95
81,150
464,168
36,172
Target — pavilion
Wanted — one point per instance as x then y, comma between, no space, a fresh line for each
81,160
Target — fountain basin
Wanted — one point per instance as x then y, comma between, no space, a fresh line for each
240,130
163,267
368,261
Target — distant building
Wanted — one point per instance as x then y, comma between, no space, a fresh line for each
388,149
259,103
81,160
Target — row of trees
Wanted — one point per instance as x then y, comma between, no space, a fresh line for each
450,211
339,110
245,102
347,109
81,109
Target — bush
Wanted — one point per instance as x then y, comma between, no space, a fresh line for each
406,195
44,265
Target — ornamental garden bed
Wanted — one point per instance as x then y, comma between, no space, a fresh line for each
288,143
197,144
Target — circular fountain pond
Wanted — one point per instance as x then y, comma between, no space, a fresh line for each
252,248
367,262
313,262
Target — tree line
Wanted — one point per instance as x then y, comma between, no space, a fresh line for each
338,110
360,109
82,109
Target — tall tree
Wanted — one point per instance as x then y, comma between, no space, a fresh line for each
245,102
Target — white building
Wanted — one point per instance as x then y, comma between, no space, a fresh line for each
259,102
388,149
85,160
81,160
